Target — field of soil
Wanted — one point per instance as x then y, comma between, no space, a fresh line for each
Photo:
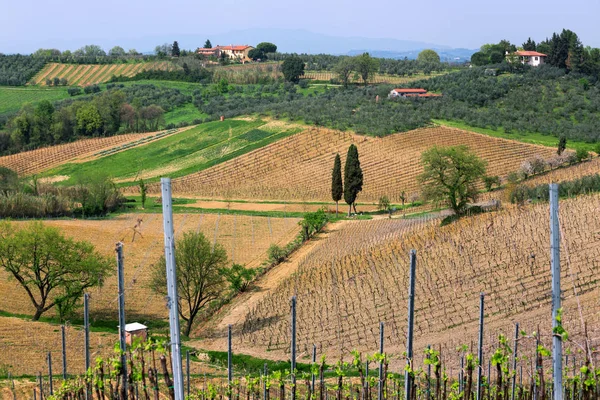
245,238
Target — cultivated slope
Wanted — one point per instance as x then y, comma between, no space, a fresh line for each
299,167
245,238
358,277
89,74
36,161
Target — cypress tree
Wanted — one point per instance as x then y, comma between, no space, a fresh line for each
562,145
337,189
175,50
353,178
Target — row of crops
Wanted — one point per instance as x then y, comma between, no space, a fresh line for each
89,74
144,140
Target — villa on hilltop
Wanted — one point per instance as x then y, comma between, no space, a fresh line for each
532,58
238,52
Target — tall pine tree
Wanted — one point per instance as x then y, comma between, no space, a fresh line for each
337,189
353,178
207,44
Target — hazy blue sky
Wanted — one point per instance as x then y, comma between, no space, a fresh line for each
26,25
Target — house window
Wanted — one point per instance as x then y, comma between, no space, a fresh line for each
535,58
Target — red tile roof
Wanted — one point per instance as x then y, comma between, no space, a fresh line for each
410,91
234,48
530,53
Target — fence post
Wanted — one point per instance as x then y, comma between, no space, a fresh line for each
555,262
172,302
86,334
314,360
428,376
266,371
122,345
64,351
293,348
380,388
50,373
408,376
41,384
229,358
514,380
187,364
480,346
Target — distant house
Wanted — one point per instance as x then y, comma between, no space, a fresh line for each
239,53
532,58
417,92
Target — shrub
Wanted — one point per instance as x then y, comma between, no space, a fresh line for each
276,254
582,154
490,181
74,91
239,277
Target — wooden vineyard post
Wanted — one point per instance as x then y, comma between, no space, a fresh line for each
64,352
428,390
187,364
50,373
514,380
408,375
172,298
293,349
555,264
122,344
266,371
380,387
86,330
480,346
41,385
229,358
314,360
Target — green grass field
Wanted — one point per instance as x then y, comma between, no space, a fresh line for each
180,154
13,98
529,137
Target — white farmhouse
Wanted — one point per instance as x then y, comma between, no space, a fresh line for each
532,58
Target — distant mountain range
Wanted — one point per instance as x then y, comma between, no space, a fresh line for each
287,40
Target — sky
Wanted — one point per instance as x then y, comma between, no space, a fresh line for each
26,25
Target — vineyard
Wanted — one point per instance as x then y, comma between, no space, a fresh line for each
36,161
246,240
84,75
359,276
297,167
328,76
195,149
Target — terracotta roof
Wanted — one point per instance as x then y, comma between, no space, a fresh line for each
410,91
530,53
423,95
244,47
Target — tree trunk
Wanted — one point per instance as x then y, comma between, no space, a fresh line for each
336,208
188,327
354,205
349,209
38,313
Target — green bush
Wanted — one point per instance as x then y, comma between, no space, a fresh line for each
276,254
582,154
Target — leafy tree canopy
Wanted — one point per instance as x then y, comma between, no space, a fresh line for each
199,275
292,69
450,175
52,269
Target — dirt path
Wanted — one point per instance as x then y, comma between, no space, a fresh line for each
241,305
